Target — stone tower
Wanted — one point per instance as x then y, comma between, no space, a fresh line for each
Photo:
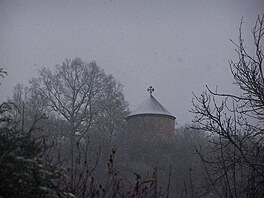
151,119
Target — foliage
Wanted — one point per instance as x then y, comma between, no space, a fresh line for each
115,186
179,170
80,101
235,166
23,172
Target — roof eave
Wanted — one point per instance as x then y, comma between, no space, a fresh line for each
150,114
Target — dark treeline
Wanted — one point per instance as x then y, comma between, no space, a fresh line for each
64,135
121,167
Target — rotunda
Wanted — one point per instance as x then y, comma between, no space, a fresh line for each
151,119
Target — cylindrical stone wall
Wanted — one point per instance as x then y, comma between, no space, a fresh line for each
151,125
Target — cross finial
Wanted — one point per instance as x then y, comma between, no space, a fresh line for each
150,90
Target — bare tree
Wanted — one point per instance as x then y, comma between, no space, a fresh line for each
80,103
235,168
28,106
83,95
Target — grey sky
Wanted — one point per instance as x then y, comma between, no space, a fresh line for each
176,46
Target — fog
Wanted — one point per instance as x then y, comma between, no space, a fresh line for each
178,47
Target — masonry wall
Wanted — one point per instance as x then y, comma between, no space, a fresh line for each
156,126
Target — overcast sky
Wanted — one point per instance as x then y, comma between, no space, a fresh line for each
177,46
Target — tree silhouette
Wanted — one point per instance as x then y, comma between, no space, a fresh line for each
236,165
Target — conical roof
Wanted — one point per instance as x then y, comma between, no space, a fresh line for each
150,106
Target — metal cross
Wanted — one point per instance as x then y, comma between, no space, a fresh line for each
150,90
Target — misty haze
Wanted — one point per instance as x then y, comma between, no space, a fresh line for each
110,98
